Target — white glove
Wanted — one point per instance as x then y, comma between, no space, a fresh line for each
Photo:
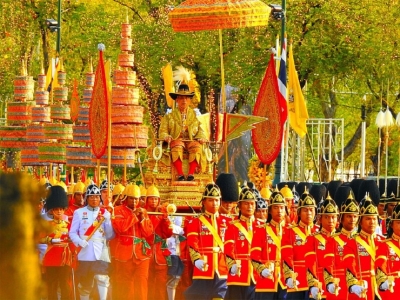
83,243
234,270
331,288
266,273
385,286
199,264
55,241
314,292
289,283
357,289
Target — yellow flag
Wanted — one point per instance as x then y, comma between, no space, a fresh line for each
298,114
49,74
168,83
59,67
107,70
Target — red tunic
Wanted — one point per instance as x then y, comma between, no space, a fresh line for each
314,258
359,261
293,250
202,243
387,263
265,250
333,263
237,247
131,235
70,211
58,254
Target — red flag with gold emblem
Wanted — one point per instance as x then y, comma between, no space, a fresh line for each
267,136
98,111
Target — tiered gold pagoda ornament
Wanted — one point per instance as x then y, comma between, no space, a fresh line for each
80,153
19,115
128,133
35,130
57,131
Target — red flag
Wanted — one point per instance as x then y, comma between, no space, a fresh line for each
98,111
267,136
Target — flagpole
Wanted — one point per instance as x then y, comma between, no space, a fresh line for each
284,152
59,28
363,137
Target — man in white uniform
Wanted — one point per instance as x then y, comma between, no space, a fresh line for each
90,228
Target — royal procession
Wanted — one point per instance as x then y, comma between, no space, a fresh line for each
204,149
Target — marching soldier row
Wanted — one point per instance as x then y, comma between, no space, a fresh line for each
276,248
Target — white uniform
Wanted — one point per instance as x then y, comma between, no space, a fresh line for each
97,249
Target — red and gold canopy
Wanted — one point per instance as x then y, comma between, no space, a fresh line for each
196,15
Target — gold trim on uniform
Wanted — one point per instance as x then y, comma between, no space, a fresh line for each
381,277
194,255
351,279
311,279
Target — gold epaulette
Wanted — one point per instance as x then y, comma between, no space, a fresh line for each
292,226
234,221
386,240
315,233
263,225
380,237
336,234
354,236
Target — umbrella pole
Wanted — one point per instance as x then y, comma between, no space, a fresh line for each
223,96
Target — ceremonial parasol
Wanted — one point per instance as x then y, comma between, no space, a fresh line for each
198,15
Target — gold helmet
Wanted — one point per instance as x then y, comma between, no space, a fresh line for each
53,181
396,213
247,194
277,198
118,189
286,192
265,193
70,189
306,200
63,185
367,207
79,187
152,191
143,191
328,207
212,191
132,190
349,206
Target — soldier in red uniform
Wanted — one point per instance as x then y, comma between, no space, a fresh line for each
360,252
158,267
241,282
387,261
266,252
132,252
229,194
78,201
205,238
57,259
316,248
334,269
293,249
